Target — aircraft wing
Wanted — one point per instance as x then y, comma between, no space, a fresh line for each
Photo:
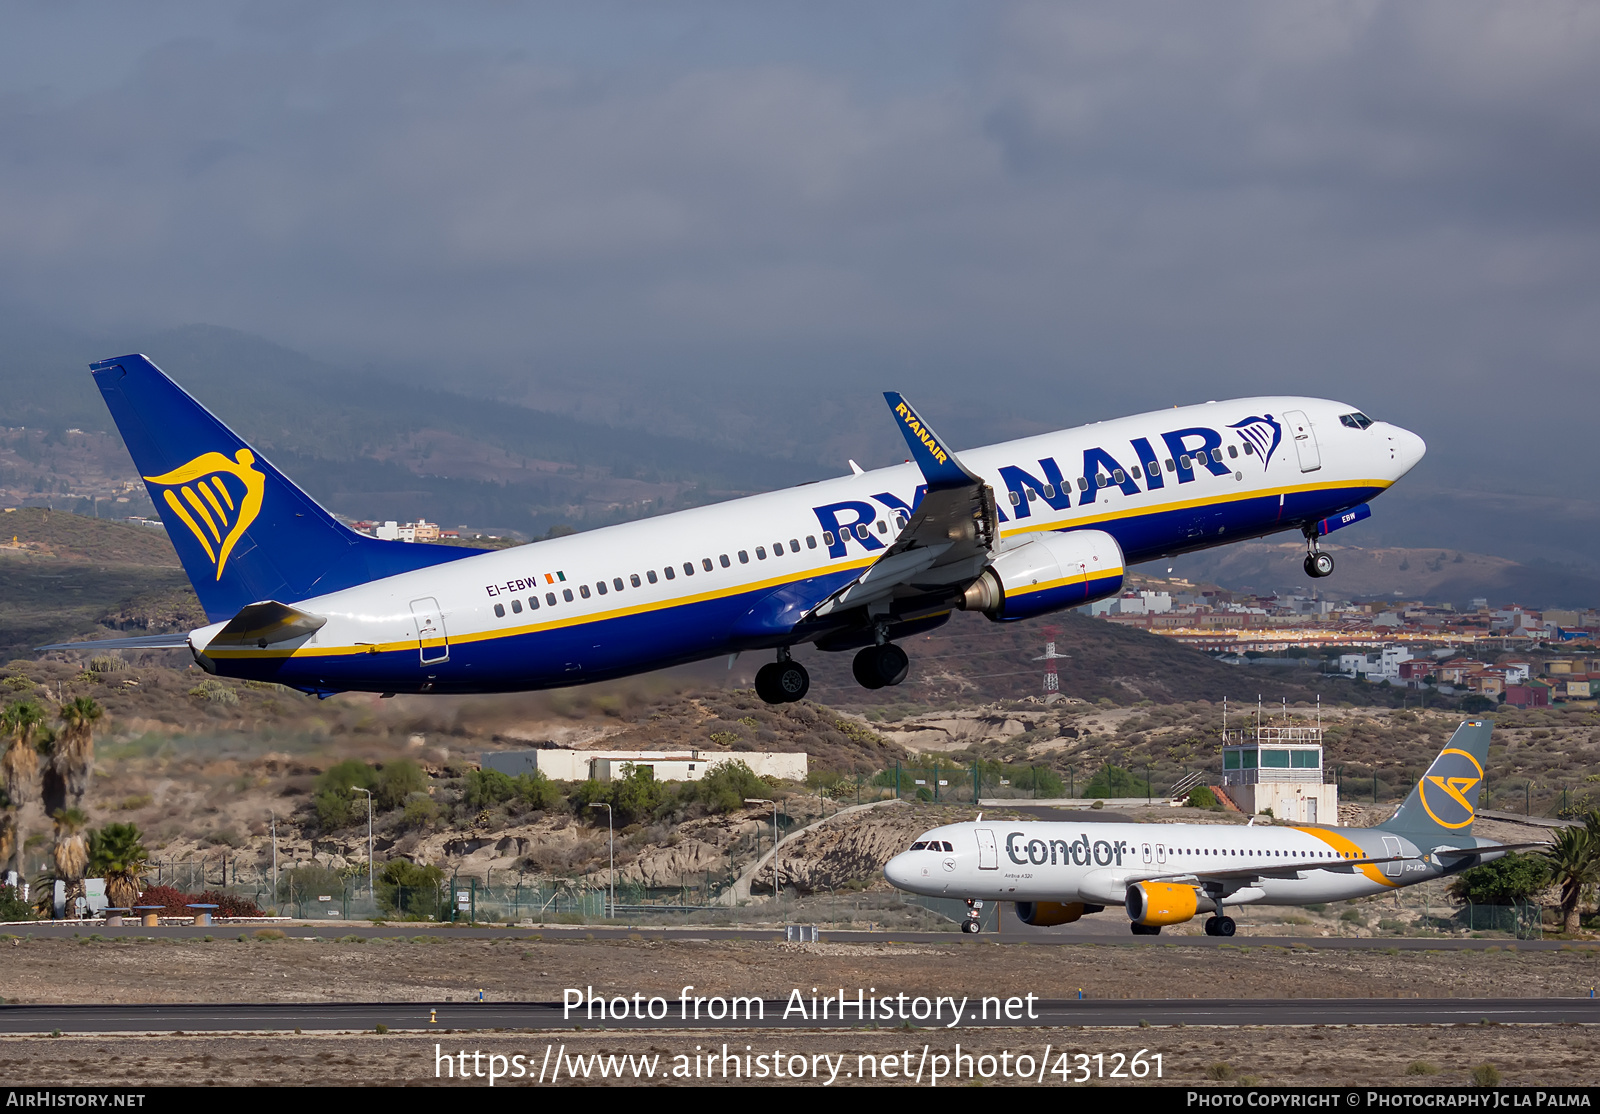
1276,870
949,537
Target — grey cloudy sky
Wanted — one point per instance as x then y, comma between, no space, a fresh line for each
1027,215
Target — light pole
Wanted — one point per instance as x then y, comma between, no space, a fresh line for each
774,804
612,838
368,792
274,858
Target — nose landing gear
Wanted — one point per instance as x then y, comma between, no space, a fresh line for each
1317,563
973,923
783,681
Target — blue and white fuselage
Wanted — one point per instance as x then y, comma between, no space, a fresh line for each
825,562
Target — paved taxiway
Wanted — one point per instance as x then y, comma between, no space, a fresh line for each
447,1016
1110,933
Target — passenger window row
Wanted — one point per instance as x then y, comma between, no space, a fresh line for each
671,573
1118,476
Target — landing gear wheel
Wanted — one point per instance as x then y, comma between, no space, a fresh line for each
1318,565
1226,927
971,926
1211,926
792,680
782,682
767,683
1145,929
877,666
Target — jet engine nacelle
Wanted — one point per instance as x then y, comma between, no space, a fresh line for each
1050,572
1163,903
1044,914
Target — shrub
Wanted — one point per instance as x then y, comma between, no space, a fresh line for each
725,787
12,907
1504,881
229,905
397,781
1113,781
1221,1071
172,900
335,799
1421,1067
408,889
1486,1075
488,787
420,811
1201,796
1044,781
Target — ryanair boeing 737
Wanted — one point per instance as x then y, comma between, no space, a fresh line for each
1170,873
854,563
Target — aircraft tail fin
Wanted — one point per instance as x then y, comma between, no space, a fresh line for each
1445,801
243,532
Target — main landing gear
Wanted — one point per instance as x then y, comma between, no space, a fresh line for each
783,681
1220,926
877,666
973,923
1317,563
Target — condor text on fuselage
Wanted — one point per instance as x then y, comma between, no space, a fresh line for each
853,563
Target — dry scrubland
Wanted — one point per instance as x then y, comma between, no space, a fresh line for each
201,764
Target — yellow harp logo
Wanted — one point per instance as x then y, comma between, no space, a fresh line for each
216,498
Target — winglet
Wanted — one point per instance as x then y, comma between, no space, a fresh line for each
939,465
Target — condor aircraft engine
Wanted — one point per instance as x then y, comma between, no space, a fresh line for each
853,563
1169,873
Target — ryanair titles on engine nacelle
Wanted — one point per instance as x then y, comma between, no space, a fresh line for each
1048,573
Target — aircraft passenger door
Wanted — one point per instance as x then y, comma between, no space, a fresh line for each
433,643
988,856
1391,846
1305,440
1147,852
1161,852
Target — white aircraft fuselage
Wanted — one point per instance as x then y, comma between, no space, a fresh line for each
855,561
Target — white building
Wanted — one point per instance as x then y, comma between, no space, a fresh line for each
1279,770
603,765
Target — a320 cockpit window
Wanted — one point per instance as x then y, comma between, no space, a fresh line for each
1358,420
932,845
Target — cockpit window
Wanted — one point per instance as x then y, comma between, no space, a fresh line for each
918,846
1358,420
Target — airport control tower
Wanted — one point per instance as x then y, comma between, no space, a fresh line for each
1278,766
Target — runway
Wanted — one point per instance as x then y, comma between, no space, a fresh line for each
1110,933
550,1016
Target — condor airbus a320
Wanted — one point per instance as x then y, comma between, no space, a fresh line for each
1167,874
854,563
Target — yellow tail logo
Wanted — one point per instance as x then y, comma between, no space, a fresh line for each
203,495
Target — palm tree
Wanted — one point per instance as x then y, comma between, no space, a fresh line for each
71,855
116,855
19,766
73,754
1573,865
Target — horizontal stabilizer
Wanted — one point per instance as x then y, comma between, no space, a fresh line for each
1486,848
178,640
263,624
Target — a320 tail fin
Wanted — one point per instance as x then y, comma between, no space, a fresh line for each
1445,802
243,532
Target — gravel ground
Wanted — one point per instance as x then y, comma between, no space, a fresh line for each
1342,1057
